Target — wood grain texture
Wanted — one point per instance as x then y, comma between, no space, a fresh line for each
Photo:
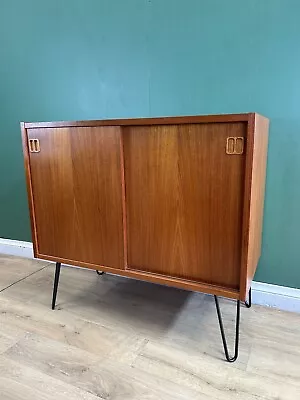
194,119
254,198
29,187
123,185
184,201
77,196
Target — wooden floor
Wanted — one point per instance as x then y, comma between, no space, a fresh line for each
116,338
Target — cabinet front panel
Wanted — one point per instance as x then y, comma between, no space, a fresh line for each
77,194
184,200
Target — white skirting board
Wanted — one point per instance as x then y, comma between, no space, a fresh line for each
281,297
16,248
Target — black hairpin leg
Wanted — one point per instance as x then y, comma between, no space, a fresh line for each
237,331
100,272
56,279
249,303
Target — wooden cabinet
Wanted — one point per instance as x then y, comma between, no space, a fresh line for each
174,200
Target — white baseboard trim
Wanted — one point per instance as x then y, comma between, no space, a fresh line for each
265,294
281,297
16,248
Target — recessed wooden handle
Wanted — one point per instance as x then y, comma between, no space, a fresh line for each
235,145
34,146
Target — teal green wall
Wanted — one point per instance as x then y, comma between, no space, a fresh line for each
93,59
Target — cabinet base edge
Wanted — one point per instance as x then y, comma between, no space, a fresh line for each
265,294
150,277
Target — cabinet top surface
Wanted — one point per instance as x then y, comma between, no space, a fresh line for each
145,121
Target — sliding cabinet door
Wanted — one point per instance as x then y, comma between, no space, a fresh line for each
77,194
184,201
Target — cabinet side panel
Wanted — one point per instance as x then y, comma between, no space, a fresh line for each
260,126
29,186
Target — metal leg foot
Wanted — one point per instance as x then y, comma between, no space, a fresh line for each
100,272
56,280
237,331
249,303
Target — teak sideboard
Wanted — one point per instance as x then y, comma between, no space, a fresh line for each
176,201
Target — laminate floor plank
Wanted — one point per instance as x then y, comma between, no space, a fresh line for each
116,338
9,334
18,382
208,375
99,376
15,268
